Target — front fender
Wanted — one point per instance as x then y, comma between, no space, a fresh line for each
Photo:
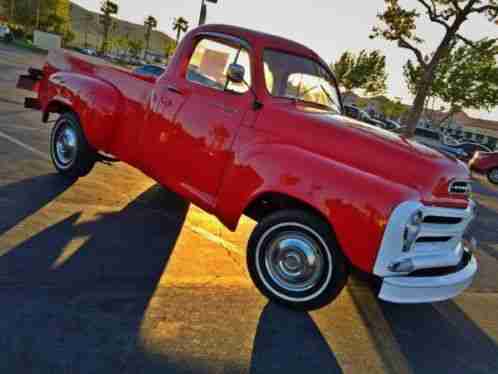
96,103
356,204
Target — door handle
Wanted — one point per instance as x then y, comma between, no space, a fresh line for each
174,89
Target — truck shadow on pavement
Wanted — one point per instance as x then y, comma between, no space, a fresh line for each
21,199
75,295
81,311
426,338
290,342
74,298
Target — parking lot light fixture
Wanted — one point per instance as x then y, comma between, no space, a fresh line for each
203,15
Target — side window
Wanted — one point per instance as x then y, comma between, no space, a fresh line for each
209,64
269,78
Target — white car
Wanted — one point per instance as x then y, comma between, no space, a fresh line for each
89,52
4,31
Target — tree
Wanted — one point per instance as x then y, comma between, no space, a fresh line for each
45,15
391,108
169,48
150,23
88,19
10,6
366,71
180,25
136,47
68,37
467,78
121,43
108,8
398,24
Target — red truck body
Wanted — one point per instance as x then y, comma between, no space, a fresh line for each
232,157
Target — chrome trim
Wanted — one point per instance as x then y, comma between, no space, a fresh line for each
456,187
425,254
226,37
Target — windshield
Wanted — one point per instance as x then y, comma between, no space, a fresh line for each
299,78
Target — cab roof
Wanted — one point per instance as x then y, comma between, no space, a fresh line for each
259,40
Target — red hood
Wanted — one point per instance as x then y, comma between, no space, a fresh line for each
391,156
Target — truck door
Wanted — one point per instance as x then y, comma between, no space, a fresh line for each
200,146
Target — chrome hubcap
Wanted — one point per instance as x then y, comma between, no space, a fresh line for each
65,145
294,261
494,175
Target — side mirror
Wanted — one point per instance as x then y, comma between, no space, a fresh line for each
236,73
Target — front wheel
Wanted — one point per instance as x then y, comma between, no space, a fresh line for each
493,176
71,154
294,259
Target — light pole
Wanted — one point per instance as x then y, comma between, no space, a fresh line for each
202,17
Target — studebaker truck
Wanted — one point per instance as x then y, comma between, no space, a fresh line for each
245,123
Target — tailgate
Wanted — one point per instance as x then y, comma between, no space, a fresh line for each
31,82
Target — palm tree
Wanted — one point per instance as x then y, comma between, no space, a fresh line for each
150,23
108,8
180,25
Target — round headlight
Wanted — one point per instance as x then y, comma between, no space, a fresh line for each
412,230
417,218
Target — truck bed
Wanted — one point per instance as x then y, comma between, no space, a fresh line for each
134,87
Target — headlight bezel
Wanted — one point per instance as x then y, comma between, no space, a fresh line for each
412,230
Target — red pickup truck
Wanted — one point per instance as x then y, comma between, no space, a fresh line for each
247,123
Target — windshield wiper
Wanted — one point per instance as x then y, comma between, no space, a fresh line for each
329,97
296,100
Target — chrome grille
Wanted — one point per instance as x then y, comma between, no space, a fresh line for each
460,187
443,220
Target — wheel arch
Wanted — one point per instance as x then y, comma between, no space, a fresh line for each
268,202
95,102
355,204
57,106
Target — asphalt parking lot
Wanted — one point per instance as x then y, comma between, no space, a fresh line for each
114,274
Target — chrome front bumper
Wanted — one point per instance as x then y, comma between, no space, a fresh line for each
429,288
442,261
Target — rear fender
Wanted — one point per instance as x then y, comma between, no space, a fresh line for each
356,204
95,102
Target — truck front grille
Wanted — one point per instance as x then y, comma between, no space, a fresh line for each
443,228
442,220
460,187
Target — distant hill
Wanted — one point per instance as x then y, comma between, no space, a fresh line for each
80,25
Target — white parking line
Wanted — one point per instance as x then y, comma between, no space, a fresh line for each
24,145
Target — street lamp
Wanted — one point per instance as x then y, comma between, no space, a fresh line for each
202,17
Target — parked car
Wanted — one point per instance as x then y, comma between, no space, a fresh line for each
361,115
470,149
486,164
88,51
456,152
328,193
428,136
5,33
391,125
450,139
149,70
447,144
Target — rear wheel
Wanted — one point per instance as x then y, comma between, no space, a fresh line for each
493,176
71,154
294,260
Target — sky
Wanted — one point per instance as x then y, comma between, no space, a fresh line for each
329,27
